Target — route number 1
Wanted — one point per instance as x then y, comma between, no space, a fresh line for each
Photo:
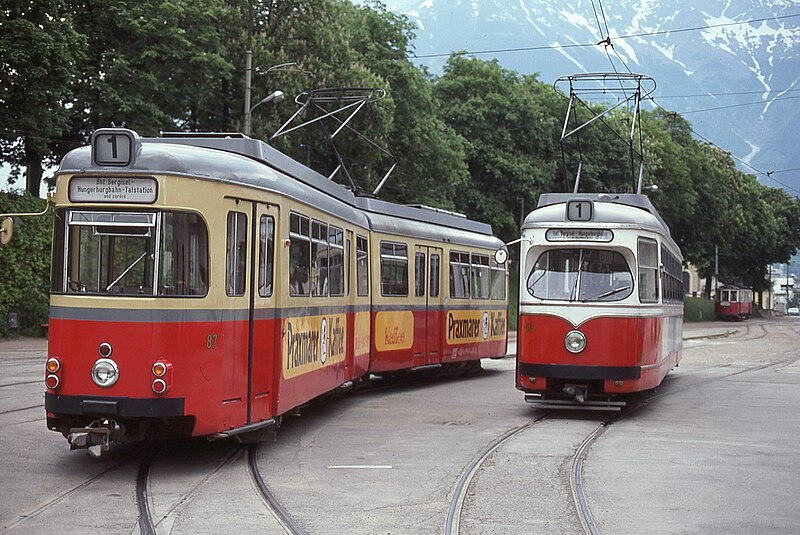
579,211
112,149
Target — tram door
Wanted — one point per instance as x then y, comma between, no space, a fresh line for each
249,345
428,261
264,326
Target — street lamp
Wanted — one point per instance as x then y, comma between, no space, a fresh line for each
275,97
248,110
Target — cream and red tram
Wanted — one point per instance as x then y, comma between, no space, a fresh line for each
205,285
601,300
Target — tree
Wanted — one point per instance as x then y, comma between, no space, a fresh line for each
509,139
41,52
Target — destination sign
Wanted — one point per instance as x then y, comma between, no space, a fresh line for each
579,234
135,190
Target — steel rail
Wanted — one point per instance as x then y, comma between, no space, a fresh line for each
453,522
278,511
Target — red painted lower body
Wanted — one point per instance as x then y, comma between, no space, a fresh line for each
216,382
622,354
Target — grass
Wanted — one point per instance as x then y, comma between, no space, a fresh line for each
698,309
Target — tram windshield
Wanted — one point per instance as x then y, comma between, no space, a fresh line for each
580,275
130,253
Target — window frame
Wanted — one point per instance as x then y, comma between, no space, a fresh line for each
400,267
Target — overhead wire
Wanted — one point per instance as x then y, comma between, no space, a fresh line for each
588,45
768,174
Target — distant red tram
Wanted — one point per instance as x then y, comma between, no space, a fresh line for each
733,303
207,285
601,300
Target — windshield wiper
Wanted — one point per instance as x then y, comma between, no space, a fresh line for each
608,293
577,277
108,288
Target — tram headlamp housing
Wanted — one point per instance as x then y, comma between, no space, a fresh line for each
105,350
52,381
159,369
105,373
575,341
159,386
53,365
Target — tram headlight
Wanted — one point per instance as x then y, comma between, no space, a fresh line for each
159,369
53,365
105,373
52,381
575,341
159,386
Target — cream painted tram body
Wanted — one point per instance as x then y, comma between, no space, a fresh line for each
206,285
601,300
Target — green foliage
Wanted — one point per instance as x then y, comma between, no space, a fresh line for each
508,136
25,265
698,309
40,52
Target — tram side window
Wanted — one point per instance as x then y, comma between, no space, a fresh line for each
394,269
648,271
480,276
299,254
671,277
498,280
236,254
183,266
336,260
266,258
434,285
362,266
459,275
419,275
319,258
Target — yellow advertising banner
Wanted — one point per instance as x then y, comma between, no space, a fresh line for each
394,330
361,342
471,326
313,342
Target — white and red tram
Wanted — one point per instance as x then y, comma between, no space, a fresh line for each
206,285
732,302
601,300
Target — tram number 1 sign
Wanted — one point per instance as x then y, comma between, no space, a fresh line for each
113,147
579,210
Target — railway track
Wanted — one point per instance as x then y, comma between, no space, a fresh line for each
453,521
283,517
27,519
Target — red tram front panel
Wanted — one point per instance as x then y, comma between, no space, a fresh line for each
622,354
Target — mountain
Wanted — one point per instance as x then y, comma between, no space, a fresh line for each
731,68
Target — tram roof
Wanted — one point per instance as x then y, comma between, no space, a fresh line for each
241,160
610,209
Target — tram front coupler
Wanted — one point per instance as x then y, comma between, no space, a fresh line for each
95,437
576,392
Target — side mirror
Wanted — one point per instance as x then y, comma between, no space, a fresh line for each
500,256
6,230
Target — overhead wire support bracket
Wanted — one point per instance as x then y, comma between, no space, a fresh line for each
341,105
627,89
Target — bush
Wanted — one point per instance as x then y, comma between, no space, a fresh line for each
25,265
698,309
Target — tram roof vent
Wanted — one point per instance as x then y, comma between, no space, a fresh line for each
221,135
437,210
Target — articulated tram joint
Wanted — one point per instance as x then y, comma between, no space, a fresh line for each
96,437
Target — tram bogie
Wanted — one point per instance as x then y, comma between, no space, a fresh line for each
601,300
207,286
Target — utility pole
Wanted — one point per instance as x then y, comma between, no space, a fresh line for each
248,67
